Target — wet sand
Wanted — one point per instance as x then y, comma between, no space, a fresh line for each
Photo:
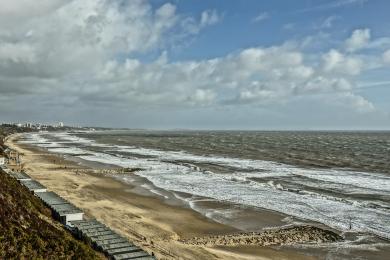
146,220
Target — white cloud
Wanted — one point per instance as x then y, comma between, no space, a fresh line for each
321,84
190,26
87,51
17,53
336,62
254,75
209,17
256,95
386,56
72,40
261,17
20,10
358,40
328,22
202,97
357,102
334,4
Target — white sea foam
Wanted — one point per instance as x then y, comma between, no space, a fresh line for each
153,190
68,150
357,179
238,187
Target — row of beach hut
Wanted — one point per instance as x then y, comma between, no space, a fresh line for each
95,233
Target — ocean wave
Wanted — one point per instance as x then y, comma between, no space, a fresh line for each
162,170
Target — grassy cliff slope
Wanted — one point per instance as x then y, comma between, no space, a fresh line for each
27,230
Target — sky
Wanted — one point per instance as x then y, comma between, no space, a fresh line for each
189,64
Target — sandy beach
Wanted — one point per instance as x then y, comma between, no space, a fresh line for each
146,220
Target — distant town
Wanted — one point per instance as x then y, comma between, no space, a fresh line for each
44,126
37,126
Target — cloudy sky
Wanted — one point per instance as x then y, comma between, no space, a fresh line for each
232,64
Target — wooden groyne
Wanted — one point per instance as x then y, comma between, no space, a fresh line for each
279,236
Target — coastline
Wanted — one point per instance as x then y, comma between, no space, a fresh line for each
156,226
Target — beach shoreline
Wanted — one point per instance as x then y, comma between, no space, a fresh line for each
156,226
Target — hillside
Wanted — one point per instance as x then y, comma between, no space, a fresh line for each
27,230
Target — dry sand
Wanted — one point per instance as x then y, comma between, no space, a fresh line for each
147,221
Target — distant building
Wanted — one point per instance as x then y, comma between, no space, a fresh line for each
15,167
60,124
13,160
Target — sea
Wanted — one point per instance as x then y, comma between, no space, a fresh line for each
338,179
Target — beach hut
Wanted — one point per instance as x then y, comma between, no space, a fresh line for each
132,255
5,169
107,241
34,186
50,198
12,155
20,176
14,166
62,210
68,214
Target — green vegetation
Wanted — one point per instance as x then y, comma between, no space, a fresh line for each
9,129
27,230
